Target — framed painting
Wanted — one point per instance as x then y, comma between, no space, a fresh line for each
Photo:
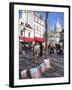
39,44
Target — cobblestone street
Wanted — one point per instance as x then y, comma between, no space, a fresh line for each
56,62
57,66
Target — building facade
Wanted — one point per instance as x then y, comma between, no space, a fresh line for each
38,27
57,35
31,27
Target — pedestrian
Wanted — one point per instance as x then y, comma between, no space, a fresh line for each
30,49
41,49
23,49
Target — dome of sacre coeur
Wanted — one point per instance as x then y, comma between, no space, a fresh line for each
58,27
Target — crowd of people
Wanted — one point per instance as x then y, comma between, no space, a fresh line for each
39,48
58,48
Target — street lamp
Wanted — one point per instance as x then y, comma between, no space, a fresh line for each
46,37
46,60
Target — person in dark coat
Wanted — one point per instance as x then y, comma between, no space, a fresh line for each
41,49
23,49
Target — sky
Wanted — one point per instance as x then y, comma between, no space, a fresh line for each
52,19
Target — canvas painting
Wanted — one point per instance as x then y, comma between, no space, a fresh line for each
40,40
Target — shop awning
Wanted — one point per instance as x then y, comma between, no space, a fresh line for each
39,39
35,39
26,39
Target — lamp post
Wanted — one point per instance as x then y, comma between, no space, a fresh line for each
46,60
46,37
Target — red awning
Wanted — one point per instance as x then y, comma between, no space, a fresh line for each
26,39
39,39
35,39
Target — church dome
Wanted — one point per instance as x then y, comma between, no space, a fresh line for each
58,27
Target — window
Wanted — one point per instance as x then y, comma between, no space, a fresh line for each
38,20
29,34
21,32
22,23
38,28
